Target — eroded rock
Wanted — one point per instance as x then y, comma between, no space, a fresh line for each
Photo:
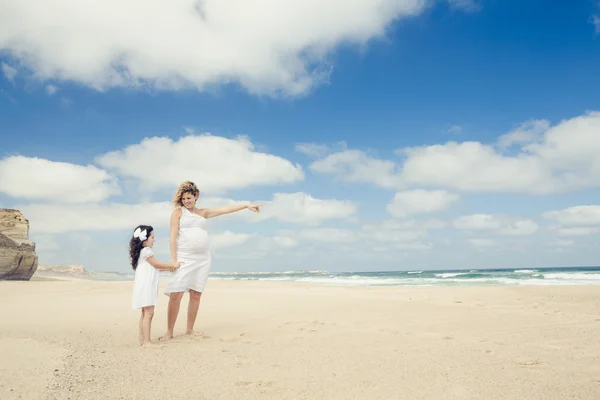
18,259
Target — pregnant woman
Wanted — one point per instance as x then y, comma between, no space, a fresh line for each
189,246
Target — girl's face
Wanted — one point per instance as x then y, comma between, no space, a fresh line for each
150,241
188,200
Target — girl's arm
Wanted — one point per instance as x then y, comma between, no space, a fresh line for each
173,231
215,212
170,266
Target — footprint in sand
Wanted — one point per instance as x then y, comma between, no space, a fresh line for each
304,326
308,330
533,363
241,361
230,339
234,339
255,383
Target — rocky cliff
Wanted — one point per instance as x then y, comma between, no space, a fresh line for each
18,259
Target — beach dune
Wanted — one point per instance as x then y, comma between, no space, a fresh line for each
77,339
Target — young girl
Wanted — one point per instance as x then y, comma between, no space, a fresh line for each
145,284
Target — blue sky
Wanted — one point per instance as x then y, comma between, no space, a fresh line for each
382,135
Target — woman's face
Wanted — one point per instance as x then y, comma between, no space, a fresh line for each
188,200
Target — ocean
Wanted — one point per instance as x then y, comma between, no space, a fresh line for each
490,277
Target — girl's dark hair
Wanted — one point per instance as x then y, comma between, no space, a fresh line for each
136,245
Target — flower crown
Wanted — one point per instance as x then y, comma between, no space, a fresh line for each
140,234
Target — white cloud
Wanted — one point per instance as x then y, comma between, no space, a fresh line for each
466,5
55,218
228,239
312,149
82,241
578,215
399,235
576,231
454,129
482,244
45,243
472,166
407,224
478,222
297,208
528,132
414,246
389,235
325,235
51,89
564,243
356,166
214,163
519,227
285,242
565,157
498,224
595,20
9,72
303,209
40,179
319,150
420,201
549,159
266,46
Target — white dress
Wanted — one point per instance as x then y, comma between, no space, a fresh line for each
145,283
194,254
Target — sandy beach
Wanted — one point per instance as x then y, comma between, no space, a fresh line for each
77,339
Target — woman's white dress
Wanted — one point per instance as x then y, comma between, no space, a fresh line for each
194,254
145,282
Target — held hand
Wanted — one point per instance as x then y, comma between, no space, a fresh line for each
254,207
174,265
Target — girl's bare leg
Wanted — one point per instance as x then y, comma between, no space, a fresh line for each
147,324
141,339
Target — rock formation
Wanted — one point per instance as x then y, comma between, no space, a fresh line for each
18,259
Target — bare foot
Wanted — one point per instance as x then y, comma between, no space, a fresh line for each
166,336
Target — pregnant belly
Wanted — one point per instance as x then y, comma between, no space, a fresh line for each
193,240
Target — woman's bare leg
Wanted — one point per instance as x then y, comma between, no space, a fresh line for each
172,311
193,307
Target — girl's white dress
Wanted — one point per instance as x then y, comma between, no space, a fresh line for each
194,254
145,283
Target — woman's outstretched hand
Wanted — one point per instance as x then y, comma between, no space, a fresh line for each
254,207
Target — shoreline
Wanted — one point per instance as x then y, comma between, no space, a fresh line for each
163,279
463,278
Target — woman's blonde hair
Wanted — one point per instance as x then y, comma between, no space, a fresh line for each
185,187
